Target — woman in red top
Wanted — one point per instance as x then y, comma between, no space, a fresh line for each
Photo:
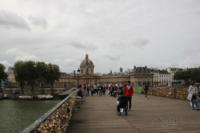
128,92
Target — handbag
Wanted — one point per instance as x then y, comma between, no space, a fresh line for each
189,97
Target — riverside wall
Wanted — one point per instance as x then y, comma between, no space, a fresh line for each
170,92
58,118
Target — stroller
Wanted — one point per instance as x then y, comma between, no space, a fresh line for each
122,105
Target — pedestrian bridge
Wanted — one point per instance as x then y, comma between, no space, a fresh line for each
154,115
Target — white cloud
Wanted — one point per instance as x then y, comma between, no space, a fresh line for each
18,54
5,63
190,62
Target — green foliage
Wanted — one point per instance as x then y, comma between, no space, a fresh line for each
3,75
31,72
20,74
25,72
191,74
41,68
53,74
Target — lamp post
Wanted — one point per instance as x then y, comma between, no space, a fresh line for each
78,73
152,83
76,76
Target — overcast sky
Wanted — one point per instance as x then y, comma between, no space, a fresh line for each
115,33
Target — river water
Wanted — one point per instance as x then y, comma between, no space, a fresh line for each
15,115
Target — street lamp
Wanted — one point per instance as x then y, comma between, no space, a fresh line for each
76,75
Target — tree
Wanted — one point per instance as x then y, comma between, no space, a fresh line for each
53,74
182,75
191,74
25,72
3,75
19,71
41,68
30,74
195,74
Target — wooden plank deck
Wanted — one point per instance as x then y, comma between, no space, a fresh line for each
153,115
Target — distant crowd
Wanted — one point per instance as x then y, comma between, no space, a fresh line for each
108,89
100,90
115,90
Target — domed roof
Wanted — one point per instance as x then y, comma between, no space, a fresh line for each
87,62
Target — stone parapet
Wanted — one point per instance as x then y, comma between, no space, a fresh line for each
178,93
57,119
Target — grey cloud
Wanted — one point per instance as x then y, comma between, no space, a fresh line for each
82,45
112,58
128,32
12,20
140,42
38,21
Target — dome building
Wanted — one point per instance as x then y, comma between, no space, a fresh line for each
87,66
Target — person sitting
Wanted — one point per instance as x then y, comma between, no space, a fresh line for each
123,103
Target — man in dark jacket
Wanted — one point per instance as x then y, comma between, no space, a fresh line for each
80,92
146,89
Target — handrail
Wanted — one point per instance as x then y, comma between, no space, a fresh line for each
36,123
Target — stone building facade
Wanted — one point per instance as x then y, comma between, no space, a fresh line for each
162,77
86,75
141,75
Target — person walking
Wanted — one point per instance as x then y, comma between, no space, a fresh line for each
192,96
80,91
128,92
146,89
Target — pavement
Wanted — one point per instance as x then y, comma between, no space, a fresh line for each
154,115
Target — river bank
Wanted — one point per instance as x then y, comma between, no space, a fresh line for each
39,94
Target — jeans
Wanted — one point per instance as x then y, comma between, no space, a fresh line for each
129,102
194,103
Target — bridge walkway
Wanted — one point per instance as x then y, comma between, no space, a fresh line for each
153,115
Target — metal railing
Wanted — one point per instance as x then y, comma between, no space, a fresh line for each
33,127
